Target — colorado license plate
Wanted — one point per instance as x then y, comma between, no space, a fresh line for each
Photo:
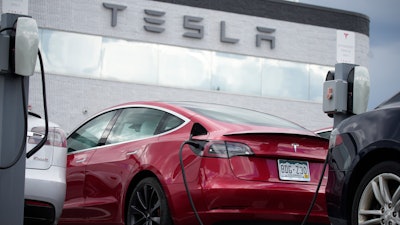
293,170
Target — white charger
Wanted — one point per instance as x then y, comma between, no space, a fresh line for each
26,46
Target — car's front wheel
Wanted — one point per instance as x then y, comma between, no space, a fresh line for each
148,204
377,197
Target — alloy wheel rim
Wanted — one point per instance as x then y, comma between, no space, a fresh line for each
380,201
145,207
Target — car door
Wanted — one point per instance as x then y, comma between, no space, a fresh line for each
82,143
110,169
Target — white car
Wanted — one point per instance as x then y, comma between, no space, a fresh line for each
45,184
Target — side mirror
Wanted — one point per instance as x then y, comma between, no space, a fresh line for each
358,90
26,46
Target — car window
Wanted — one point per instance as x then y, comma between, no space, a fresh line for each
88,135
237,115
135,123
325,134
170,123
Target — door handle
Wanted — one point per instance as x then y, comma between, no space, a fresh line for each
132,152
81,160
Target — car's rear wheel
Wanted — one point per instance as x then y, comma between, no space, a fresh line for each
377,198
148,204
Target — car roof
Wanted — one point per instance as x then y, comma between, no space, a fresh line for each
191,109
394,101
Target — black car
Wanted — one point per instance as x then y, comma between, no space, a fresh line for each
364,168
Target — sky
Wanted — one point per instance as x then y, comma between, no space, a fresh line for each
384,55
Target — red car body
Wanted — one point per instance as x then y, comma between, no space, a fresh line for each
232,178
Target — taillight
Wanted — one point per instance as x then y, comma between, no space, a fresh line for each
38,203
225,149
335,139
56,137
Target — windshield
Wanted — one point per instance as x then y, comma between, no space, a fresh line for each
237,115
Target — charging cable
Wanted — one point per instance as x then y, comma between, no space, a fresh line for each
196,145
44,139
314,199
46,118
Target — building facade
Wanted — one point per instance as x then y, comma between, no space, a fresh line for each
267,55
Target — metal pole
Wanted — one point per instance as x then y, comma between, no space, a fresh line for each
341,73
12,133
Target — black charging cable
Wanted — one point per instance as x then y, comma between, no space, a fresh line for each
314,199
44,139
7,28
46,118
195,145
22,148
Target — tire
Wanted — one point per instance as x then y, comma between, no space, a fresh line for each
148,204
377,197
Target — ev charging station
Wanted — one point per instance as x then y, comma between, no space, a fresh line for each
345,92
19,41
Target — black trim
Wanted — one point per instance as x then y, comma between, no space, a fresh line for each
34,114
286,11
39,214
110,125
161,124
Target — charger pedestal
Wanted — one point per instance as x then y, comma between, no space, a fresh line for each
345,92
12,133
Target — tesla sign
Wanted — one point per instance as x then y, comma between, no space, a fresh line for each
154,20
345,46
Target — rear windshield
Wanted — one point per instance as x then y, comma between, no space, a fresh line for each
237,115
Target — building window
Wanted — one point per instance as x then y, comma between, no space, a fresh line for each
70,53
236,74
97,57
184,68
129,61
282,79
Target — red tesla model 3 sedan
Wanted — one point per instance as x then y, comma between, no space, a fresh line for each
129,165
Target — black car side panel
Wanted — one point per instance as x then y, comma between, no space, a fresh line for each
367,138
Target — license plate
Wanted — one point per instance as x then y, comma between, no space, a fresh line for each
293,170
